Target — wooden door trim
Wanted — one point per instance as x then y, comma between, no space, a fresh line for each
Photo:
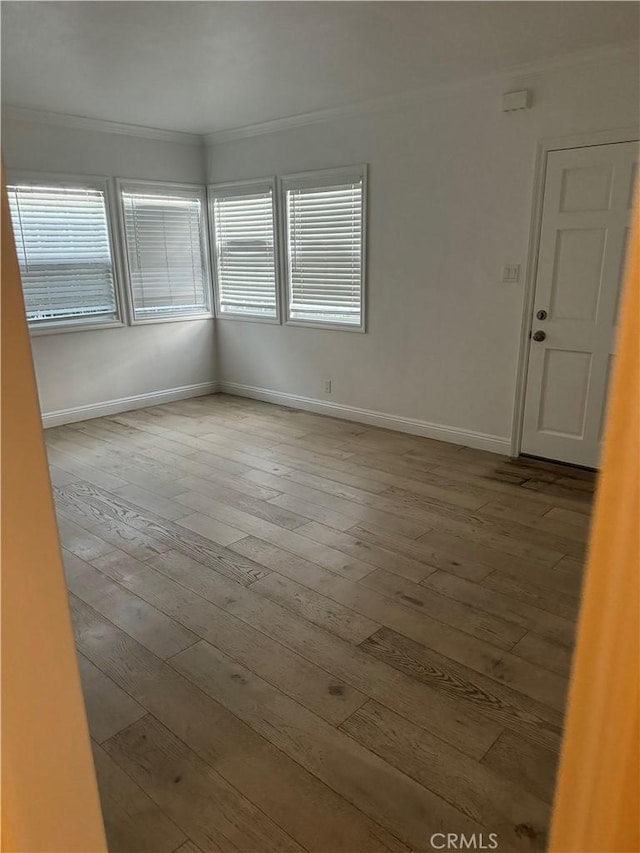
597,793
50,796
543,148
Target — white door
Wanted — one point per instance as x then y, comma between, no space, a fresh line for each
588,196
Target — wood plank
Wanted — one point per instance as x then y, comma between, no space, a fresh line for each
476,693
325,556
510,538
510,509
188,847
81,471
145,452
226,486
81,542
561,488
565,535
131,471
101,506
463,547
313,687
373,555
342,660
524,763
198,800
196,448
544,653
502,486
109,709
471,652
394,502
569,517
140,620
500,805
485,626
505,667
133,822
157,503
316,608
216,531
534,591
336,521
531,467
308,810
380,791
442,552
336,475
409,527
259,507
545,575
73,507
313,512
389,472
123,537
145,441
570,564
507,604
59,477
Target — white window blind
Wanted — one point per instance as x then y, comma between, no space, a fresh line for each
243,237
63,248
166,250
325,230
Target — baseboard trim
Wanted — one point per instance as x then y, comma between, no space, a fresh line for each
413,426
454,435
126,404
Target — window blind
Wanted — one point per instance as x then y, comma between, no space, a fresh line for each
165,251
62,242
243,231
324,252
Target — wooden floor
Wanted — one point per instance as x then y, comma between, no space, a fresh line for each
300,633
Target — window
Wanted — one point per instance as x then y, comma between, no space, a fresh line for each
325,229
165,244
64,250
242,217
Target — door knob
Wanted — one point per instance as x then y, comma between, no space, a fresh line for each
539,335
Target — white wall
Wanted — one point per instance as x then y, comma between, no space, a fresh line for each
450,195
77,369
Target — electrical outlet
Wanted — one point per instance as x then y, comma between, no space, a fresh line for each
326,386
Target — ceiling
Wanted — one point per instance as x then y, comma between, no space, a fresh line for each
206,66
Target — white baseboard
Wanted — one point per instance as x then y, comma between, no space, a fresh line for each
454,435
126,404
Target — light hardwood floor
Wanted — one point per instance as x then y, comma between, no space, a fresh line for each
300,633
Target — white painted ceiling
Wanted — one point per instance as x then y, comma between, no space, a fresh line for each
204,66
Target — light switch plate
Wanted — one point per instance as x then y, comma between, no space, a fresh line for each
511,273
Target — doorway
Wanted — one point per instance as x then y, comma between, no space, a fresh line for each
585,225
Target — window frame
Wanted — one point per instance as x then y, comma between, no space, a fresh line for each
246,187
103,184
126,184
325,178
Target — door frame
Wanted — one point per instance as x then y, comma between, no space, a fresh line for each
543,148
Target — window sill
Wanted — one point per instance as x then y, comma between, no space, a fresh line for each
149,321
68,327
318,324
250,318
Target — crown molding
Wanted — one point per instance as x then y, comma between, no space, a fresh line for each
99,125
435,92
602,54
